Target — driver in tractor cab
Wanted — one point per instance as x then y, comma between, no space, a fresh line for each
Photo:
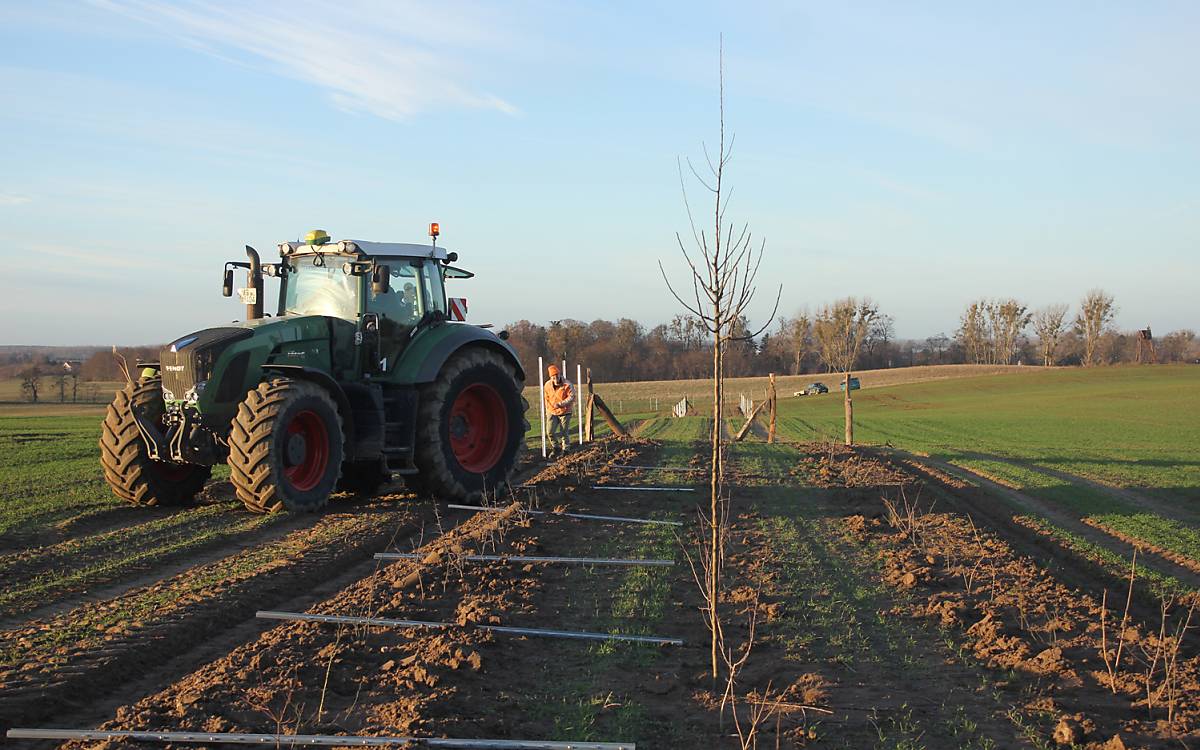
558,395
408,300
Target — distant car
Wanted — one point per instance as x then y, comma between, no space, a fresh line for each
854,384
812,389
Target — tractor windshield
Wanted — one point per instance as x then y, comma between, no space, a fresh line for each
317,285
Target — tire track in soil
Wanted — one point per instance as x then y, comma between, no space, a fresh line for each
1068,566
168,566
1175,512
110,558
1035,507
28,562
1038,664
57,674
292,658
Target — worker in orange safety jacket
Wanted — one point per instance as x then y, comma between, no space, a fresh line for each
558,395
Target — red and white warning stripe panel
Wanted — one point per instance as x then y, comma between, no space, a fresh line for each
458,309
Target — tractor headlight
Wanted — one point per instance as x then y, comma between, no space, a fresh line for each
193,394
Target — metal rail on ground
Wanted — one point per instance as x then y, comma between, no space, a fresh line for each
294,740
585,516
530,559
642,489
384,622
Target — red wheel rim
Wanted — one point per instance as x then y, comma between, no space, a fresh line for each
478,428
309,470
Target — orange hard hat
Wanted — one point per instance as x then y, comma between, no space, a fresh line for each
552,370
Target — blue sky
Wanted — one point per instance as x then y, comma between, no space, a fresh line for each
924,154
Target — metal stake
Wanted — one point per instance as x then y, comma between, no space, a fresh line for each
642,489
389,623
534,559
542,402
293,740
587,516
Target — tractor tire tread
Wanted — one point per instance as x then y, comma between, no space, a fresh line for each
128,470
250,468
436,476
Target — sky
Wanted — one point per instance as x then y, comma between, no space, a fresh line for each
922,154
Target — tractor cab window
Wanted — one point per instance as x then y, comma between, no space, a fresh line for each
433,293
401,304
317,285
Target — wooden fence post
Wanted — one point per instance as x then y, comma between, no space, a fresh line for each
590,414
774,410
749,421
849,411
608,416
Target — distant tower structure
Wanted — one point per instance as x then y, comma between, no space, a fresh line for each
1145,347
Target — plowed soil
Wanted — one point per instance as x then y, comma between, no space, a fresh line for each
880,604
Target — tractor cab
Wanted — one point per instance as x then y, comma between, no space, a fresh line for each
378,293
386,290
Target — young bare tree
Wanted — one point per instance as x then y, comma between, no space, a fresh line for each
31,382
1009,319
840,329
1096,313
723,268
973,332
796,335
1049,323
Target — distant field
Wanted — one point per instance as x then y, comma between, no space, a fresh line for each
1131,426
641,396
1064,438
90,398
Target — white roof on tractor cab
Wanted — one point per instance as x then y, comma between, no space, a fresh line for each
406,249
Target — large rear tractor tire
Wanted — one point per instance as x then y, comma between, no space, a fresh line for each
128,468
470,426
285,447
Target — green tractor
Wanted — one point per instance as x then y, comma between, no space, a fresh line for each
365,371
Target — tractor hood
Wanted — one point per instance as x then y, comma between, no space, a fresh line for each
222,357
188,360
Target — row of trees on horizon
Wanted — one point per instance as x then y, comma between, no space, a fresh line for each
991,331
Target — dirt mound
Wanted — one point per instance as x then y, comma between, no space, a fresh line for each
1011,614
833,465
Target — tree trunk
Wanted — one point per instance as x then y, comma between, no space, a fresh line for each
715,489
849,412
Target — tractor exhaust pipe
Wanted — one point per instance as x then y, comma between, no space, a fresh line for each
254,280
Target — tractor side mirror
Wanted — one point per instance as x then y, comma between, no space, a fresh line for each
227,284
380,278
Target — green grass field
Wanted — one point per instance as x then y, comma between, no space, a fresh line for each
1042,432
1136,428
1129,426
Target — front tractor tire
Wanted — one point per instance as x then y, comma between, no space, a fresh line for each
130,472
285,447
470,426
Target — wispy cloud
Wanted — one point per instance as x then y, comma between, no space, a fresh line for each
14,199
392,60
